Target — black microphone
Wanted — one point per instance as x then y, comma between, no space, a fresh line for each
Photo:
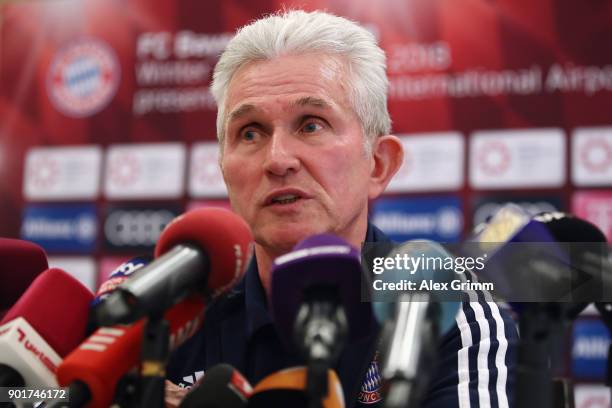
584,240
558,284
605,311
206,249
222,387
413,322
119,275
316,304
541,259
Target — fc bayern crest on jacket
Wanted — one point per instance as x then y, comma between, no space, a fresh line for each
370,389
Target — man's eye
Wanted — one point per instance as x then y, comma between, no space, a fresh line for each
312,127
249,135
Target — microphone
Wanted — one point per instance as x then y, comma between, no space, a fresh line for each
590,279
559,287
206,249
119,275
93,370
20,263
549,251
514,243
414,322
605,311
46,323
288,388
222,387
116,277
584,239
316,297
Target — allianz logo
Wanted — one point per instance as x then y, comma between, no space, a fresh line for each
83,228
591,347
447,222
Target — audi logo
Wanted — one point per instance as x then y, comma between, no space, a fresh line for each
136,227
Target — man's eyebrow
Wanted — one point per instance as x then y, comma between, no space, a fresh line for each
240,111
312,101
247,108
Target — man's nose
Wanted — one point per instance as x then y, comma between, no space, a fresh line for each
281,155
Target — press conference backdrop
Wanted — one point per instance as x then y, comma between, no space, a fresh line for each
107,125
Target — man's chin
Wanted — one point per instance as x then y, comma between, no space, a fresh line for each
282,240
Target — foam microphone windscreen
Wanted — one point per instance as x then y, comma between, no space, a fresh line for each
115,278
581,237
222,387
20,263
120,275
567,228
111,352
319,260
512,240
220,233
56,305
287,388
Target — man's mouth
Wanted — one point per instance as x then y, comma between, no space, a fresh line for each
285,199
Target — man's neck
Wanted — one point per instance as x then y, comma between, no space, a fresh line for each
265,258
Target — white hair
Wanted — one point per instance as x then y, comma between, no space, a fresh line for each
297,32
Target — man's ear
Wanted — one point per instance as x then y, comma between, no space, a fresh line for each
387,157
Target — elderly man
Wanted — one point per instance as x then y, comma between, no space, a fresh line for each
305,144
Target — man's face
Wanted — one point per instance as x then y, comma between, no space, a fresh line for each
293,155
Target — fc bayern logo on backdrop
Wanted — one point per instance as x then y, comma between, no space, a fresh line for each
83,77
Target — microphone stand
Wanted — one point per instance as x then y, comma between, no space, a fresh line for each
605,310
410,349
155,352
320,329
540,324
534,377
563,393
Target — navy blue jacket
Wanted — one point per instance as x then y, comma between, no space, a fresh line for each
475,366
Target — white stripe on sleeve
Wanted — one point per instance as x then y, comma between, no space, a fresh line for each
484,398
500,357
463,362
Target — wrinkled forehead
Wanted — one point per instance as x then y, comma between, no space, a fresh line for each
320,80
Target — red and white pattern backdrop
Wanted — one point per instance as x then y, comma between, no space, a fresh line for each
107,102
97,72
